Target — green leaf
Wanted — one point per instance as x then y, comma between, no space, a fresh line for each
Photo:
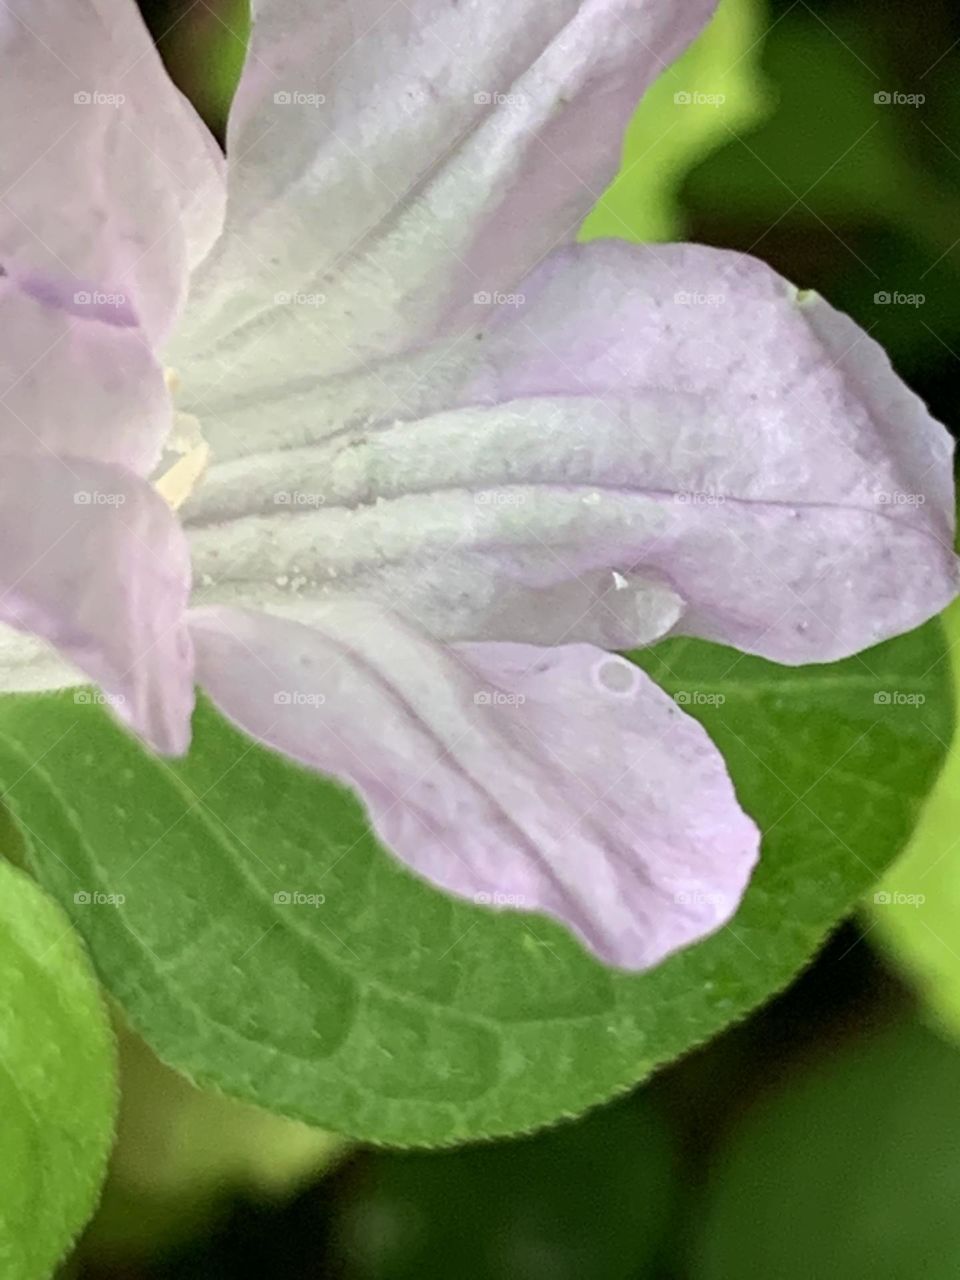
850,1174
914,911
834,187
872,172
57,1082
666,138
379,1007
204,50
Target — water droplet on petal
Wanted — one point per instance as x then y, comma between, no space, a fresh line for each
616,675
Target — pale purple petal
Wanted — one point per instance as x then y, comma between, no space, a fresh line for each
561,780
77,375
807,494
168,126
111,182
518,523
94,562
395,159
612,519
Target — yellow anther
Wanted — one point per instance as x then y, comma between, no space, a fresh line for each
179,481
186,438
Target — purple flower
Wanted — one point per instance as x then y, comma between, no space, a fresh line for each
429,460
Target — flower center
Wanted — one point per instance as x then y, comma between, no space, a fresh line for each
178,481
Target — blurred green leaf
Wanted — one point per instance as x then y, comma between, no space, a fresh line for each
836,183
666,137
204,46
589,1201
850,1173
915,909
57,1082
183,1155
829,142
391,1012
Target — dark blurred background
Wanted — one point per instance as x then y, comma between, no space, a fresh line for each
821,1138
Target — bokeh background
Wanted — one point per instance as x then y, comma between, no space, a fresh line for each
819,1140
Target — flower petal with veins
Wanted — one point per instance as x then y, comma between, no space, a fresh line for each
649,440
111,181
640,458
77,378
797,401
429,150
557,780
95,563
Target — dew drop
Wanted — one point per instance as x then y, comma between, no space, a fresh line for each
616,675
